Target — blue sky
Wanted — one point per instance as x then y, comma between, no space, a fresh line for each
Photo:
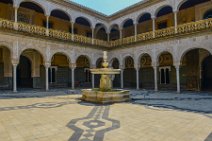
107,7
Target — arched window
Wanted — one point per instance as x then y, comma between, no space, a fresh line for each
58,18
144,23
165,21
60,14
101,32
208,14
128,28
6,4
187,11
85,23
114,32
31,13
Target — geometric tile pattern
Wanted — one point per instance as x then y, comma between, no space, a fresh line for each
39,105
93,126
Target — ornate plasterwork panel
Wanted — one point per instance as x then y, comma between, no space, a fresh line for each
176,47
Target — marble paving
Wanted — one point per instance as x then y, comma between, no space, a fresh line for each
66,118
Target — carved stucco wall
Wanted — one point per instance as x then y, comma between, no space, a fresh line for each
176,47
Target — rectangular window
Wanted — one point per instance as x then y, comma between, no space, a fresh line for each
165,75
52,74
87,75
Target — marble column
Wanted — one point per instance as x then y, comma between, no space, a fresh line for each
14,77
16,18
73,78
175,21
16,14
153,26
92,35
120,31
178,77
47,76
47,25
72,31
122,78
136,32
108,37
156,77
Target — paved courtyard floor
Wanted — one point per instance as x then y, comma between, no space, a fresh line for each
60,116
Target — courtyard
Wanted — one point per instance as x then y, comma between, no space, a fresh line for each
60,115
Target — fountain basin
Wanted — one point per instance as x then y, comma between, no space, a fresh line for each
104,97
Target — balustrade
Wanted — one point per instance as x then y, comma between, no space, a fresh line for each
170,31
23,27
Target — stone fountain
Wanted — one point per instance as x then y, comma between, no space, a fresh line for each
105,93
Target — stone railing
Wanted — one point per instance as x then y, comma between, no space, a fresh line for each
101,43
6,24
82,39
194,26
23,27
170,31
164,32
59,34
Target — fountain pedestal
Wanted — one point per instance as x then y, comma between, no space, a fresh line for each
96,96
105,93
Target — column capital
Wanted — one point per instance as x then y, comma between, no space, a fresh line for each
93,28
15,62
47,15
153,17
177,65
175,11
137,67
16,7
47,64
155,65
135,22
72,65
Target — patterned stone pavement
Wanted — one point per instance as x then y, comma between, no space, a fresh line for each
66,118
